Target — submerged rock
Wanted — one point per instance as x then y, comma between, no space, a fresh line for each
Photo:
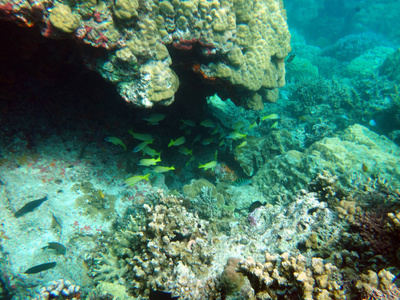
345,156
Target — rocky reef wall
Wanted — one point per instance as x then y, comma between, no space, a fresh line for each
237,43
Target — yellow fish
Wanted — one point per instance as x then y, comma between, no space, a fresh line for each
207,123
190,160
135,179
252,125
177,142
236,135
149,161
150,151
275,125
161,169
115,141
185,151
270,117
238,125
154,119
142,145
244,143
209,165
141,136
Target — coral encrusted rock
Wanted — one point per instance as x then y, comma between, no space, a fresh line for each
239,43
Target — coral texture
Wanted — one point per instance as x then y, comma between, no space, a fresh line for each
347,156
165,249
63,19
293,275
231,279
241,43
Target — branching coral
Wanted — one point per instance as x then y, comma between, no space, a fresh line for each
205,198
325,185
293,276
378,286
163,248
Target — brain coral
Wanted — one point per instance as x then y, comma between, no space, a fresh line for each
240,43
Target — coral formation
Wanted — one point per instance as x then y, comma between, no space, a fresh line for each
260,149
390,67
163,248
205,198
63,19
93,201
285,200
255,102
368,64
293,275
342,156
231,279
242,43
378,285
60,289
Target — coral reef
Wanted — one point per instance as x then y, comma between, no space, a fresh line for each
63,19
312,96
162,248
265,199
378,285
260,150
352,46
390,67
241,43
342,156
231,279
60,289
368,64
294,276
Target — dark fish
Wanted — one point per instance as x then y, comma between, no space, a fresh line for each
242,181
40,268
29,207
254,206
60,248
158,295
290,59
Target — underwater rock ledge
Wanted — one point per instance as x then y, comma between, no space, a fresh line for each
241,44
